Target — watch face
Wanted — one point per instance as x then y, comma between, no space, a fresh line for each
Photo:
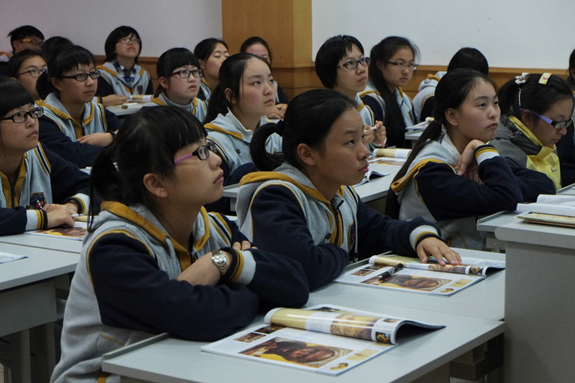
220,260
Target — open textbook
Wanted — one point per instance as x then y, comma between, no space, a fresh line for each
426,278
371,175
77,232
327,339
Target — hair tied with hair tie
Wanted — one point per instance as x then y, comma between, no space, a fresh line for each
280,127
544,78
520,80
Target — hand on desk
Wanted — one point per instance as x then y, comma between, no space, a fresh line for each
114,99
60,215
97,139
436,247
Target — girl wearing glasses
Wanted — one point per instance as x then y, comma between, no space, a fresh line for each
155,260
179,75
452,175
393,61
341,65
537,112
239,105
74,126
25,67
121,74
40,189
211,53
304,191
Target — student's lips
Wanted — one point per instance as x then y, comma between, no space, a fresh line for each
34,134
364,169
220,178
271,101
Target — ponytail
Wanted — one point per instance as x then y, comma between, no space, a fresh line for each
262,159
105,181
218,105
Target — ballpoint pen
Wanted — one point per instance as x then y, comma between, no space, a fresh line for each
388,273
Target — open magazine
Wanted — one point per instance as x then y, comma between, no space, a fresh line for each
427,278
371,175
327,339
550,209
77,232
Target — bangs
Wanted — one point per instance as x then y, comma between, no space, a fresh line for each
13,95
69,59
175,58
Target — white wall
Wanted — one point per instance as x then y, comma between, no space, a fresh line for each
510,33
162,24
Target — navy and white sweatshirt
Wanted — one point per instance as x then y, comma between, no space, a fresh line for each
112,82
283,212
43,178
125,288
59,131
432,189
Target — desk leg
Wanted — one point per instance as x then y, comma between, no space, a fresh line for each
20,368
439,375
46,351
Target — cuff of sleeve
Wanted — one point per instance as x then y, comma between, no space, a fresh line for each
485,152
81,200
242,268
36,219
420,233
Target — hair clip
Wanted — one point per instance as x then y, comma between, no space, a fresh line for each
520,80
544,78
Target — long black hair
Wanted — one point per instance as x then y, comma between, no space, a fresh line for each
382,53
308,120
451,92
147,143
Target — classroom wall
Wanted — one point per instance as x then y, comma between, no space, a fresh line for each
162,24
510,33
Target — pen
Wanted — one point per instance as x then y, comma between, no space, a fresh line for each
389,273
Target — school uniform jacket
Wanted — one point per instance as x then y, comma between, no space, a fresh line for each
432,189
373,99
125,288
282,211
517,143
197,107
111,82
232,141
43,178
205,90
424,100
59,131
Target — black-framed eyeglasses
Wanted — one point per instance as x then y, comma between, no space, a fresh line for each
352,64
202,152
186,73
33,72
127,40
81,77
401,65
555,124
37,43
20,117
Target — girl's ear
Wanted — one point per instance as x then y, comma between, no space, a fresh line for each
202,64
380,65
163,82
230,96
306,154
56,82
451,117
528,118
155,185
572,72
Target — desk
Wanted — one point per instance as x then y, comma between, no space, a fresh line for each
28,299
425,355
371,191
539,302
125,110
43,242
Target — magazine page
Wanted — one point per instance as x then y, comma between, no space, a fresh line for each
469,265
548,219
386,161
77,232
550,204
413,280
392,153
6,257
327,353
371,175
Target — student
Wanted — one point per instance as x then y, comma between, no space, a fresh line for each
341,65
571,77
39,189
537,112
51,47
424,101
121,74
74,126
21,38
154,260
434,182
179,75
25,67
239,105
211,53
393,61
259,47
303,191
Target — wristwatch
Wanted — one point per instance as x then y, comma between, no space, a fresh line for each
220,259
